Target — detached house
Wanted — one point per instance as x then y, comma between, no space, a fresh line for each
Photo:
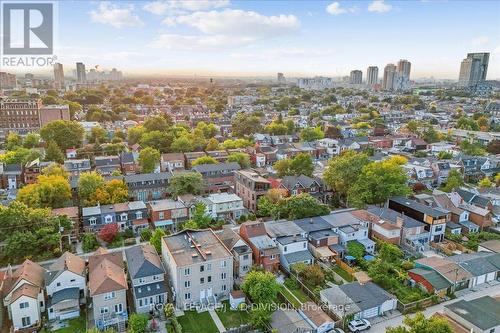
106,165
172,161
108,290
23,295
66,287
147,277
303,184
217,177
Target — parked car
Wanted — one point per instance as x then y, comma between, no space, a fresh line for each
358,325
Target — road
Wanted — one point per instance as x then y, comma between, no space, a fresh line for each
397,321
85,256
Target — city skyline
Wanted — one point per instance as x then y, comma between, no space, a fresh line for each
235,38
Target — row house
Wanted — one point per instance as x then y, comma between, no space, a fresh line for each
291,242
127,163
218,177
434,218
312,148
265,251
220,156
130,215
380,228
107,165
24,296
332,146
474,168
33,169
199,267
250,186
108,287
191,156
263,155
167,213
11,176
66,286
172,162
323,241
223,206
420,173
242,253
147,186
147,277
75,168
414,236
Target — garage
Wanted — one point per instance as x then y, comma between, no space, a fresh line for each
370,313
481,279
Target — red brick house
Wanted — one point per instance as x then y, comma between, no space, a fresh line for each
265,251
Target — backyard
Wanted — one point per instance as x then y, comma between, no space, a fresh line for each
193,322
75,325
232,318
343,274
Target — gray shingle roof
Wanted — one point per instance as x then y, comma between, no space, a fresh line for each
300,256
143,261
366,296
483,312
65,294
231,166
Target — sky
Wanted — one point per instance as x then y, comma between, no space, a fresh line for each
298,38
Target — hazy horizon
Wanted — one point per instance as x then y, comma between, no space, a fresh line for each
223,38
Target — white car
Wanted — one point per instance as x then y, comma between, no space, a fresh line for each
358,325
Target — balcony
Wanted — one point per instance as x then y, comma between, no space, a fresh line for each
107,320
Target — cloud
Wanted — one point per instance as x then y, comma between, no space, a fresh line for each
335,9
226,28
379,6
480,41
173,6
116,16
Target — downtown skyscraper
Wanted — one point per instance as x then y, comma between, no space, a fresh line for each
473,69
372,75
356,77
58,75
81,75
389,78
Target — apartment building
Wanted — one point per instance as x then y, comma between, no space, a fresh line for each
199,266
250,186
217,177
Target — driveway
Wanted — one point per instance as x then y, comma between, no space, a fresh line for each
397,321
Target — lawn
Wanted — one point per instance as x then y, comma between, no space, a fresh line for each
232,318
290,297
76,325
300,295
346,276
193,322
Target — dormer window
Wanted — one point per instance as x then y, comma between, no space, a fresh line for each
138,215
92,221
108,219
124,216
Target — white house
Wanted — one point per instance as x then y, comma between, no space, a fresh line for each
24,295
65,283
224,206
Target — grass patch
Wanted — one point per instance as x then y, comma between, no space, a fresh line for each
193,322
345,275
76,325
300,295
232,318
290,297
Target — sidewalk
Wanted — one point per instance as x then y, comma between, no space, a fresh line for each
217,320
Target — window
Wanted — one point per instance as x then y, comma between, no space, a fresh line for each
138,215
104,310
26,321
209,279
223,264
161,215
187,284
187,271
202,268
209,267
245,257
72,280
141,280
202,280
124,217
224,287
245,268
304,245
223,276
92,221
58,284
187,296
119,307
109,295
285,248
108,219
155,277
273,256
140,303
24,305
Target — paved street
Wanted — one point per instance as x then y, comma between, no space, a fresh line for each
396,321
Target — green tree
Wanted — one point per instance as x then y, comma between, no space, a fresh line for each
420,324
261,287
343,171
454,181
467,123
200,217
260,317
98,135
32,140
301,206
311,134
54,169
134,134
379,181
302,164
148,159
242,159
283,167
212,144
182,144
485,183
185,183
53,153
157,123
355,249
243,124
156,237
204,160
14,141
138,323
88,183
66,134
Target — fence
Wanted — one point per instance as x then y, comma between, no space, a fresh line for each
240,329
415,306
345,266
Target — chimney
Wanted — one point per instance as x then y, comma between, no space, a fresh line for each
399,221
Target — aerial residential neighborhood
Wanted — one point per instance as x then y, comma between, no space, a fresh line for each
213,166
